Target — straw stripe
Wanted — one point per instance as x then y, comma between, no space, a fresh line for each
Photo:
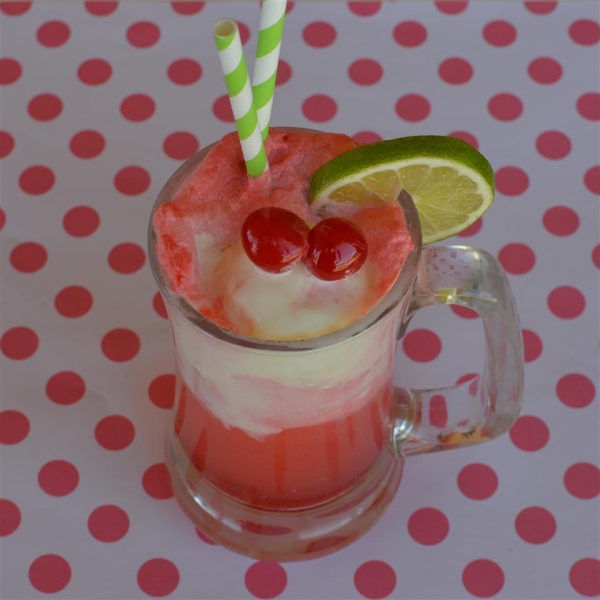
237,81
271,15
269,38
267,59
262,67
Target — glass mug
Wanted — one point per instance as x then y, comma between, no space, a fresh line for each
292,450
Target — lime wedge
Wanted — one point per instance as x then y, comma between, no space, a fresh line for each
450,182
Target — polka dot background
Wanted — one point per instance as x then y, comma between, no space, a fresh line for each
101,101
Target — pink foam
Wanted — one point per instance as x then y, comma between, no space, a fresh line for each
219,195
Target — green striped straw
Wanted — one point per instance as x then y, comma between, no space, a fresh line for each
233,64
267,58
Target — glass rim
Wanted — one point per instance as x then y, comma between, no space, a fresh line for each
399,289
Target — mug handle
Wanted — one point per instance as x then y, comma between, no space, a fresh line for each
482,408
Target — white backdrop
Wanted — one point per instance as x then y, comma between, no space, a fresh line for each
101,102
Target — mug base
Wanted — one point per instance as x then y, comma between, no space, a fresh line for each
290,535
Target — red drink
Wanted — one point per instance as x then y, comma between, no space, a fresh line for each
301,419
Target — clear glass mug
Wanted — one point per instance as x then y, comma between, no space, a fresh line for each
292,450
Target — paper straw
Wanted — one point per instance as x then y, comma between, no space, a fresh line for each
267,58
233,64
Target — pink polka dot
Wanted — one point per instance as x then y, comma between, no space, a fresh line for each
455,71
222,109
553,145
138,107
45,107
81,221
108,523
584,576
53,34
143,34
466,377
265,579
87,144
585,32
540,8
94,71
582,480
464,312
477,481
575,390
159,306
410,34
187,8
14,9
319,108
284,72
413,108
545,70
101,9
365,71
511,181
428,526
561,220
28,257
422,345
451,8
375,579
244,32
319,34
505,107
483,578
471,230
438,411
2,219
367,137
114,432
49,573
132,180
37,180
469,138
532,344
205,538
126,258
181,145
156,482
162,391
58,478
120,345
14,427
364,9
65,388
184,71
158,577
73,301
596,256
19,343
517,258
7,143
535,525
592,180
529,433
566,302
499,33
588,106
10,517
10,71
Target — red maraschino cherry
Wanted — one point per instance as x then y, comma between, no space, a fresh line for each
336,249
274,239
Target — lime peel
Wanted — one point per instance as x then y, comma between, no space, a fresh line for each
451,183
